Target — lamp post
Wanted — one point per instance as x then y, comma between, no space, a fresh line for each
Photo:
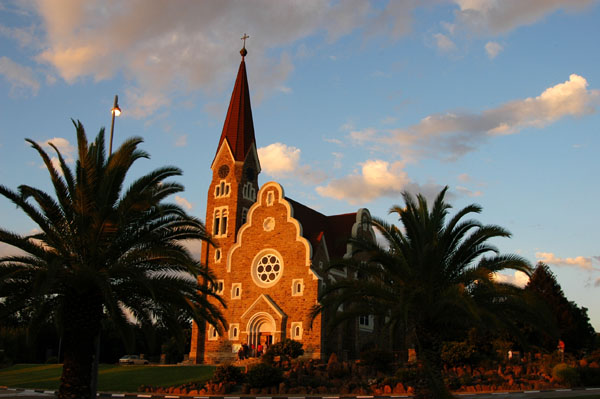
115,111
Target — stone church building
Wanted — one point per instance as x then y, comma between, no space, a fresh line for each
270,253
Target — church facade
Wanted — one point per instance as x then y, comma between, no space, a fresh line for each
270,253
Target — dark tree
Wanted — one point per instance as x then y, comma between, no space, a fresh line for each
102,253
432,276
572,322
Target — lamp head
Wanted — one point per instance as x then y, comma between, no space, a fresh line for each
116,110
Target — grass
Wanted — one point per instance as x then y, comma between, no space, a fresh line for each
111,378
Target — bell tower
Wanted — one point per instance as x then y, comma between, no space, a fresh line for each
232,190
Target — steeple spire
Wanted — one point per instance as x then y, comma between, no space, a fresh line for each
238,128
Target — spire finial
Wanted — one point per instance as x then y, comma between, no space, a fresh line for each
243,51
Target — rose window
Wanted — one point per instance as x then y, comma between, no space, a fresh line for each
267,269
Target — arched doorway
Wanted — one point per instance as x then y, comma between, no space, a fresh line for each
261,331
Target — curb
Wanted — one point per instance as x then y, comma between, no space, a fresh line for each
170,396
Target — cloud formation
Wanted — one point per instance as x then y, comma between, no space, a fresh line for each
444,43
551,259
501,16
21,78
452,134
183,202
376,178
518,279
164,48
280,160
493,49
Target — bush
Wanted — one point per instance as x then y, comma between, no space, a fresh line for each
459,353
377,359
407,375
228,373
263,375
287,350
565,374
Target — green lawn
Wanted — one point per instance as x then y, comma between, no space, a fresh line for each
111,377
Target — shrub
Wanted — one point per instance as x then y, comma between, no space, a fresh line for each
52,360
407,375
565,374
459,353
228,373
263,375
377,359
287,350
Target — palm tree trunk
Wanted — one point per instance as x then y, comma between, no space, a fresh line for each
82,314
77,367
430,382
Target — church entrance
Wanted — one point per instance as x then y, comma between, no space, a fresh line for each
261,328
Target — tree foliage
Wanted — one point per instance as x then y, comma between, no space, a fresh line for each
102,251
572,322
433,275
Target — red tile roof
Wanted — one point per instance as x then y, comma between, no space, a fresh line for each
336,229
238,128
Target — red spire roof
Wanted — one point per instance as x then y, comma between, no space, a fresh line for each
238,129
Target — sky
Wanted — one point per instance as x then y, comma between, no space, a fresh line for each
354,102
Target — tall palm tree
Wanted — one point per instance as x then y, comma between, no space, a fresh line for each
102,252
431,276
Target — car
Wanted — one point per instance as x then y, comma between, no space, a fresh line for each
132,359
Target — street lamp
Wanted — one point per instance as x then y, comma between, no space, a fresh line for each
115,111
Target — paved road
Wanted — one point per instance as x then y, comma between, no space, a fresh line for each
560,393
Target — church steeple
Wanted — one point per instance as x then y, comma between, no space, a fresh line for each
238,128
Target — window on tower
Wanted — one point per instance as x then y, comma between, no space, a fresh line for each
220,222
222,189
244,215
249,192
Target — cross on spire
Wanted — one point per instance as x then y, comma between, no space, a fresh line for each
243,51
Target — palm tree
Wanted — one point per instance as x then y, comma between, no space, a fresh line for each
426,278
102,253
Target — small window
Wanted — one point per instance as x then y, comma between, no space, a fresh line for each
218,255
270,198
220,221
234,332
244,215
236,291
213,334
218,287
296,330
366,323
222,189
249,192
297,287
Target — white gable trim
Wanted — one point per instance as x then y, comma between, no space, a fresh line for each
224,147
270,302
290,218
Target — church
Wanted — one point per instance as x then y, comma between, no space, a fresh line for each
270,253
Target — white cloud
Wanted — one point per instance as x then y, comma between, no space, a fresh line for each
376,178
597,282
443,42
518,279
452,134
278,159
164,48
63,145
181,141
551,259
183,202
467,192
501,16
21,78
464,177
493,49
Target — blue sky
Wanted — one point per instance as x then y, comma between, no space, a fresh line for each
353,103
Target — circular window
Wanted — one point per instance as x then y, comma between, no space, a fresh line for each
267,268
